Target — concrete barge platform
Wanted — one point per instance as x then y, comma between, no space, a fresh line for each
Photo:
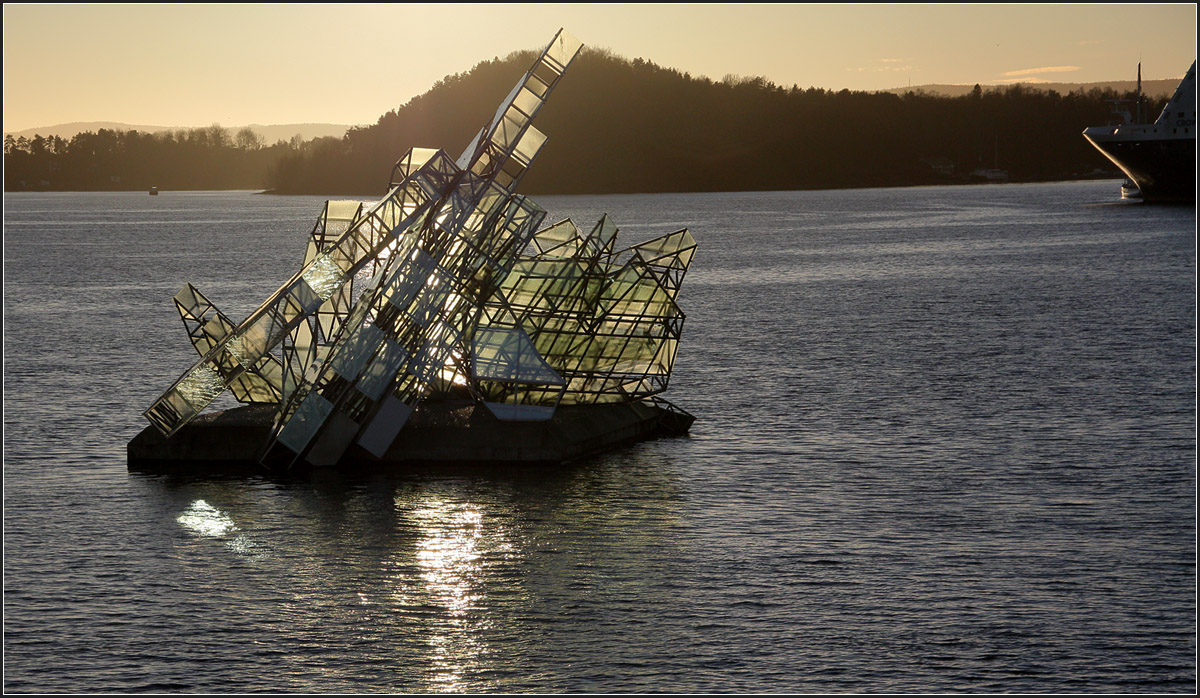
446,433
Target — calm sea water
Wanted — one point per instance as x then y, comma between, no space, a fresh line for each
946,441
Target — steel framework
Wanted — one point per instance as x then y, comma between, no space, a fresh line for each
448,286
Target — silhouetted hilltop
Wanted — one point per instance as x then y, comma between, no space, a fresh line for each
616,125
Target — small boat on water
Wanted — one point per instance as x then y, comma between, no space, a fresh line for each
153,191
1129,190
1158,158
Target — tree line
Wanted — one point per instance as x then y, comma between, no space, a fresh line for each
616,125
193,159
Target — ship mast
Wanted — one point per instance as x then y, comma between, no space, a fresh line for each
1138,105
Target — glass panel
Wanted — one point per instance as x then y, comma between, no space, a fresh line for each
563,48
527,102
305,296
536,86
354,352
415,159
665,245
509,130
188,301
382,431
200,387
304,423
323,276
216,329
508,355
531,143
520,413
545,73
382,370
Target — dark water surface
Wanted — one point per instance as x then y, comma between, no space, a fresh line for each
946,441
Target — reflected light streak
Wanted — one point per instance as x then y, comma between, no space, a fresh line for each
451,570
207,521
448,556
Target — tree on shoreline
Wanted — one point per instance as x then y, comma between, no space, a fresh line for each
108,160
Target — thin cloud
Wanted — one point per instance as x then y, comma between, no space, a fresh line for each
1037,71
890,65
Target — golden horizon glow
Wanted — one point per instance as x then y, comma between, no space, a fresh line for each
193,65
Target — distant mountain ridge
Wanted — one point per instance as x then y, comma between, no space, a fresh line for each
270,134
1150,88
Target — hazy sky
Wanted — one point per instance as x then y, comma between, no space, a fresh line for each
194,65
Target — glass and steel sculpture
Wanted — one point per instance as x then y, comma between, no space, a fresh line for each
445,287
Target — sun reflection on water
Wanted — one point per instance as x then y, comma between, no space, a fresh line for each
444,586
206,521
448,556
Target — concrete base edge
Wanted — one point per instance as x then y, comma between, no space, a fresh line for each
437,433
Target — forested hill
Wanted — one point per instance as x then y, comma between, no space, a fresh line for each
616,125
631,126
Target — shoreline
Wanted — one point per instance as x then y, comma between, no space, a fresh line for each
274,192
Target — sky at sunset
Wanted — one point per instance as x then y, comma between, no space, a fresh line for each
194,65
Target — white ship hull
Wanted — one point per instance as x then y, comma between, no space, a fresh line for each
1160,158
